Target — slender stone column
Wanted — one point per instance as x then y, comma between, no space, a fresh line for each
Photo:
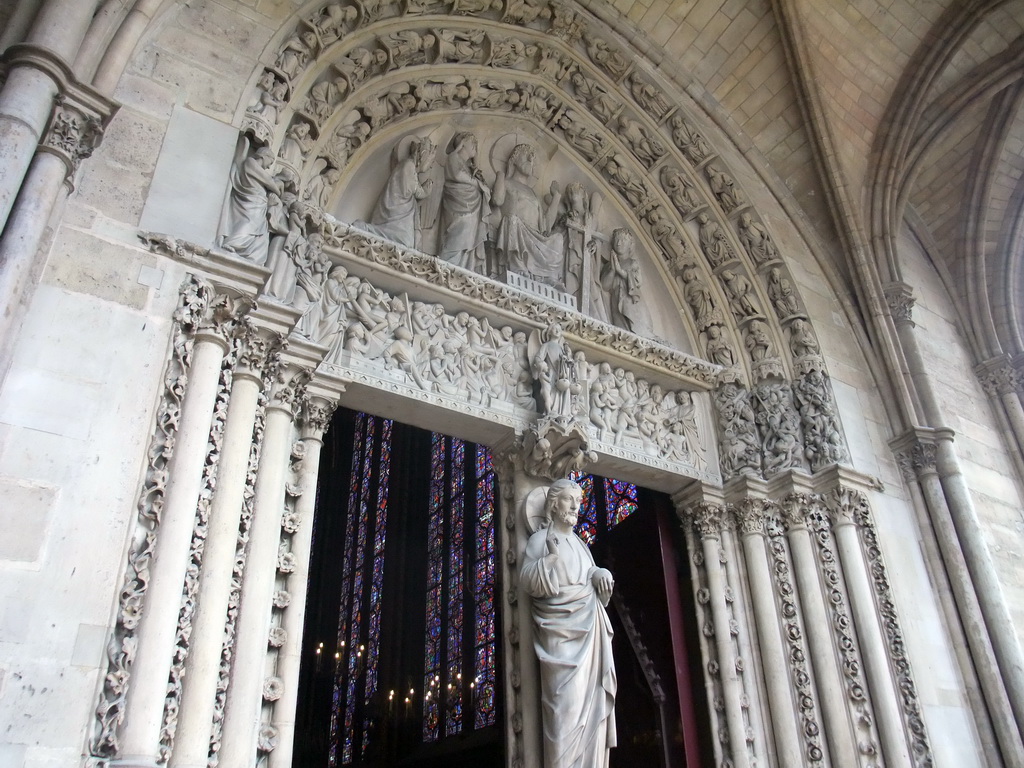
74,131
244,698
192,740
831,691
147,691
316,416
33,81
874,654
751,514
998,621
707,519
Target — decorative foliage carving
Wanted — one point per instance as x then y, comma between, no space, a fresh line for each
852,501
73,134
900,298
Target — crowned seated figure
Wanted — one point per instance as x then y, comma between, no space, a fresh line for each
525,243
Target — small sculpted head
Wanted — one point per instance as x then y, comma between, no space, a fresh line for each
563,501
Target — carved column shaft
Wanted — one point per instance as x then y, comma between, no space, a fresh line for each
831,691
873,651
316,417
148,688
192,741
244,699
708,519
773,655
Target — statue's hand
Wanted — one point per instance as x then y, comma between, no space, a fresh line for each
552,545
603,584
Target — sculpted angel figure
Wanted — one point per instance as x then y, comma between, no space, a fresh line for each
689,139
643,142
781,294
723,186
270,98
295,54
465,204
572,637
681,191
324,96
525,243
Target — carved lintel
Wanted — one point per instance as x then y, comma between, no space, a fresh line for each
552,448
900,298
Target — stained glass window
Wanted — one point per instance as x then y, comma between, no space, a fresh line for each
606,503
415,546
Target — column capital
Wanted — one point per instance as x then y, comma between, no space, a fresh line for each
316,415
998,376
847,506
80,113
288,388
752,515
916,451
900,298
260,350
798,509
207,310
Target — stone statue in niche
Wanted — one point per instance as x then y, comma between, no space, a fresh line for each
588,143
297,142
324,97
381,110
781,294
554,370
526,11
624,180
359,63
465,206
689,139
396,216
801,340
509,51
407,47
319,188
535,100
718,349
347,139
681,191
572,636
448,93
459,47
756,240
244,228
525,242
740,295
490,94
723,187
333,21
713,242
271,97
644,143
583,269
665,235
621,282
758,342
594,96
296,53
698,297
648,97
607,58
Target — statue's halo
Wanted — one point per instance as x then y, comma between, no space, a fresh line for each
533,509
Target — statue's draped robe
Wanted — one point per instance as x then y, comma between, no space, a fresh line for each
573,641
524,248
394,216
463,212
244,222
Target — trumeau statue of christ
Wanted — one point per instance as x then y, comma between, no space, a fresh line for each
572,637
